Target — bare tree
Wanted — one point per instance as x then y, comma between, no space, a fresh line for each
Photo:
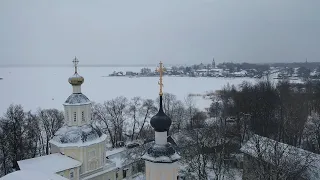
4,148
203,152
147,110
312,133
50,121
20,133
112,114
139,112
174,109
99,114
116,109
191,111
179,116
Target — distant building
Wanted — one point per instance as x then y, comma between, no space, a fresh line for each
145,71
130,73
213,63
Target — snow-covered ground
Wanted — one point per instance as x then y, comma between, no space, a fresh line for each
48,87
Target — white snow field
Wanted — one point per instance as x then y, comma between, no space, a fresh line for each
48,87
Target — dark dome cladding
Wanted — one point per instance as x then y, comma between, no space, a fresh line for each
77,99
160,122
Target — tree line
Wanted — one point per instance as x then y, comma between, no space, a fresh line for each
283,111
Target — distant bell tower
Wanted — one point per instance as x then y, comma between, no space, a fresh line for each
213,63
161,158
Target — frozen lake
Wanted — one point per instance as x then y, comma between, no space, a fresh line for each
48,87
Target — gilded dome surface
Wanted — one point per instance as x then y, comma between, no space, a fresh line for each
76,80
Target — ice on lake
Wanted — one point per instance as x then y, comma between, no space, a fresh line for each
48,87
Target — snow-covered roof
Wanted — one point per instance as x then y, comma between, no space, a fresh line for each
114,151
79,143
34,175
286,155
162,159
202,70
138,176
123,156
243,72
52,163
161,153
77,136
77,99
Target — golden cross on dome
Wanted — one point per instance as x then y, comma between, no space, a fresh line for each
75,62
160,70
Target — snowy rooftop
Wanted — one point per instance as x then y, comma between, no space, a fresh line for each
114,151
123,156
286,155
31,175
139,176
162,159
77,99
49,164
77,136
161,153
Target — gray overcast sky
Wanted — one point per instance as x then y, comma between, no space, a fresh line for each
145,31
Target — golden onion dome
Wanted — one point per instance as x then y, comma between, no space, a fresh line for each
76,80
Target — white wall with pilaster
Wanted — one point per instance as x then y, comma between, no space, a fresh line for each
91,156
161,137
73,114
161,171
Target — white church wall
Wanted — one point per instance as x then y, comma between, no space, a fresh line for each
72,174
73,114
95,156
111,175
161,171
76,89
161,137
92,156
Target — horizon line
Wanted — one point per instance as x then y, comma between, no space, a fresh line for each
131,65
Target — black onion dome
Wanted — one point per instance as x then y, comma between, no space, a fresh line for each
160,122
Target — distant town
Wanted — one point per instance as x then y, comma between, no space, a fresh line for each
304,70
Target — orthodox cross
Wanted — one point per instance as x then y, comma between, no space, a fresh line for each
160,70
75,62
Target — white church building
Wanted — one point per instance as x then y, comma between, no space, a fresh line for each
78,149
